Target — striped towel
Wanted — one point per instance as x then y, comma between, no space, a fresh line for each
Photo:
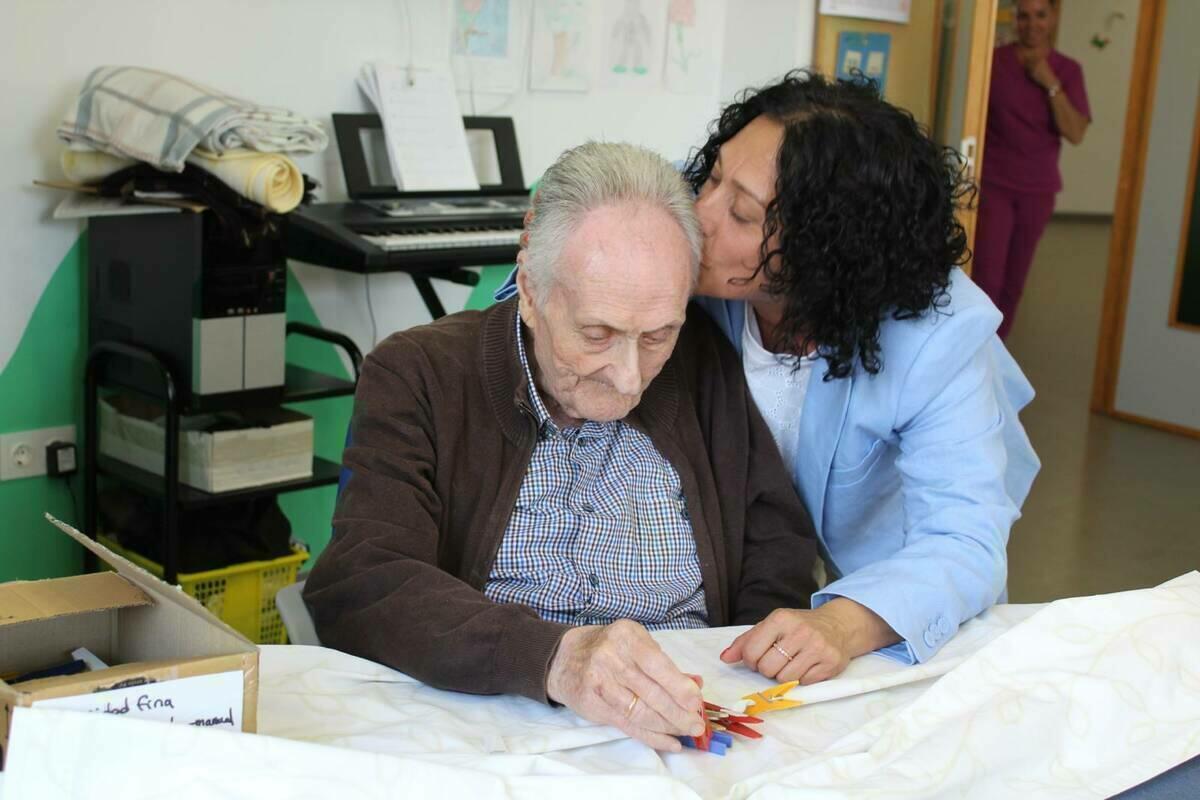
160,118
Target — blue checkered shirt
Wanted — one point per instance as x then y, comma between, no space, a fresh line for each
600,530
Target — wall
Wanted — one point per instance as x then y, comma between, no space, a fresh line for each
1158,378
910,64
1090,170
302,54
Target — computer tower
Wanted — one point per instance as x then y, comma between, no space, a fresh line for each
209,303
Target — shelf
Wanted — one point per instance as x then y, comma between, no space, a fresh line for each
325,473
305,384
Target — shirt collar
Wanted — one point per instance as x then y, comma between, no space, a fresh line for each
544,420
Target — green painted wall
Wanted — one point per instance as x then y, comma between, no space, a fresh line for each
42,387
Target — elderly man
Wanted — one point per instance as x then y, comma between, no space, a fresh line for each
536,485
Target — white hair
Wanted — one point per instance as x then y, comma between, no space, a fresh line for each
598,174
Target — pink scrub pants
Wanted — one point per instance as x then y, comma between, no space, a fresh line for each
1009,226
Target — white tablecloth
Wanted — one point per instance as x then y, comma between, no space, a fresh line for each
1081,698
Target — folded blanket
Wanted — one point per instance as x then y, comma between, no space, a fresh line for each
160,118
269,179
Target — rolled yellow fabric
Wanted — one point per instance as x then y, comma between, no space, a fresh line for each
269,179
90,166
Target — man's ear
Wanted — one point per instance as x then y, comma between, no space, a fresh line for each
525,304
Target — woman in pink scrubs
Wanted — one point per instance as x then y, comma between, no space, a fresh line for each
1037,100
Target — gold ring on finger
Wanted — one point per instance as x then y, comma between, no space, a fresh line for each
775,646
632,705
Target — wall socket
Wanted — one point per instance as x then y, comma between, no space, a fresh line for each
23,454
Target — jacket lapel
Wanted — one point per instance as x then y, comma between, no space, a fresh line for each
821,422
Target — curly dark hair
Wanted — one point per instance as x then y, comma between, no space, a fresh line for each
864,210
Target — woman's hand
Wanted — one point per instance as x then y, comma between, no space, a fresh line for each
810,646
1038,68
1042,74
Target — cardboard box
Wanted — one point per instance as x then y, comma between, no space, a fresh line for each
271,446
169,658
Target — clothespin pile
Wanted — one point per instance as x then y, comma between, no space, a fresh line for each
719,726
720,723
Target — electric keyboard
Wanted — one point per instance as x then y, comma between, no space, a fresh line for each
358,238
433,234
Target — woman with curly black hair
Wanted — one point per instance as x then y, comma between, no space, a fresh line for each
830,259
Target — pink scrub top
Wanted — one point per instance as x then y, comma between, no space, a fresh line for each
1022,145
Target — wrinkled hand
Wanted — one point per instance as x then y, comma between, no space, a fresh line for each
818,644
599,670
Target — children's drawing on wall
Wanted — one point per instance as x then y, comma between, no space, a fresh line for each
634,31
558,54
693,56
488,48
481,28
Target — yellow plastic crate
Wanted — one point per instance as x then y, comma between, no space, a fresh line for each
242,595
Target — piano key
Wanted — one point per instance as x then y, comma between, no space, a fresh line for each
439,241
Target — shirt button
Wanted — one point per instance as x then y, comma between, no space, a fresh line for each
593,579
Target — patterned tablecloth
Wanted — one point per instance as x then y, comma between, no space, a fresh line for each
1081,698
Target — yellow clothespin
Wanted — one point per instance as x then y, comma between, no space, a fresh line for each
769,699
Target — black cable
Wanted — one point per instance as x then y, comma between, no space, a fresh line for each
74,503
371,310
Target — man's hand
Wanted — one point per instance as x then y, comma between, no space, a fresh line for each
810,646
618,675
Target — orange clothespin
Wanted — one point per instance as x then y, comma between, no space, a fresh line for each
770,700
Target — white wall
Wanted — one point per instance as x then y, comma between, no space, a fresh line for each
304,54
1090,170
1159,375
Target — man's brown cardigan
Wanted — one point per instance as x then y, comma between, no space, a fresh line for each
441,438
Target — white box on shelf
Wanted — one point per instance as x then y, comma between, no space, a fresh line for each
217,452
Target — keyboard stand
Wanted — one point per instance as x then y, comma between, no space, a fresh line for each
429,296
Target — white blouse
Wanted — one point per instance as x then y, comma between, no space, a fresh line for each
777,386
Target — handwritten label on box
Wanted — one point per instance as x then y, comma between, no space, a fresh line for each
204,701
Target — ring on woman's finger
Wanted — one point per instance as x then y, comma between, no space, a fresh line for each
775,646
632,705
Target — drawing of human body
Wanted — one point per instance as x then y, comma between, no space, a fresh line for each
631,39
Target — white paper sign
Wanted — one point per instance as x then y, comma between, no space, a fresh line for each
886,10
205,701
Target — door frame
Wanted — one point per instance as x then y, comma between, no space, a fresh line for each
1142,86
979,83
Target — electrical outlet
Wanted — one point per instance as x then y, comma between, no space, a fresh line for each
23,453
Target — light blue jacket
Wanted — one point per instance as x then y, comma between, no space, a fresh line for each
913,476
